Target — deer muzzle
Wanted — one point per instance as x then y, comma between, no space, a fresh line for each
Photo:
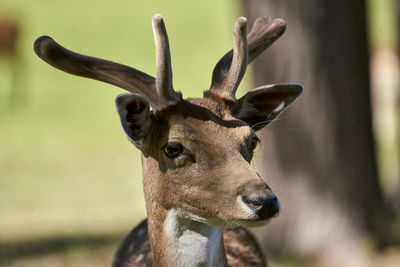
265,204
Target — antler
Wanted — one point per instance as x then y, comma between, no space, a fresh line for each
227,74
163,61
226,87
264,32
159,91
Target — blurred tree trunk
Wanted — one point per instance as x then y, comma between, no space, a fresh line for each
397,203
320,157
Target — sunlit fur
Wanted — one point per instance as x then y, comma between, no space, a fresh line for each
204,185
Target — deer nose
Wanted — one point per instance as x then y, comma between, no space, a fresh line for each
265,205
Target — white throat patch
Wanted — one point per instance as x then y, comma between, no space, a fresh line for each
193,243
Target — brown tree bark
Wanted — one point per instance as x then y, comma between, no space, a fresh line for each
397,199
320,155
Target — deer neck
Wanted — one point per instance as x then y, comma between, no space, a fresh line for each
177,240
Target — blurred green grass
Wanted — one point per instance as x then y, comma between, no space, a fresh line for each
66,168
382,24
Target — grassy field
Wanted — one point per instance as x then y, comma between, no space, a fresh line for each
70,183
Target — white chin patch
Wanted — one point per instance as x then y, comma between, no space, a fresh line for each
211,221
245,217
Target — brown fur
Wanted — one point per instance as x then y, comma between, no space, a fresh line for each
196,153
194,183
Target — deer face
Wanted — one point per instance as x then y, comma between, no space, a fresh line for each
210,177
196,152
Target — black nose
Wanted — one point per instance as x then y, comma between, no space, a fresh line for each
265,205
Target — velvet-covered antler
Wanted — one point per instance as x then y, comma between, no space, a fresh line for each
158,90
226,86
226,77
264,32
163,61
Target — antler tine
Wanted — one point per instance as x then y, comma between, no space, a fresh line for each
120,75
226,88
163,62
264,32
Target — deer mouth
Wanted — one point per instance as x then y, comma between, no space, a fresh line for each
249,212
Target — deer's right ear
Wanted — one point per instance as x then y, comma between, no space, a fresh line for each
135,115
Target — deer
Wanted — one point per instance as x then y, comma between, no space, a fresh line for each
10,32
200,190
8,36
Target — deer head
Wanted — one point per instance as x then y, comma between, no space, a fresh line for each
196,152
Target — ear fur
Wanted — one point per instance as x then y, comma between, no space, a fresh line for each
263,104
135,115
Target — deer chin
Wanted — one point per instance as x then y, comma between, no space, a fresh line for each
248,220
248,223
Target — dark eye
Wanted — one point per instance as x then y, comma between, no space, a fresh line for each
173,150
254,142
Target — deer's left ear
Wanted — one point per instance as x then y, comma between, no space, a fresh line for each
263,104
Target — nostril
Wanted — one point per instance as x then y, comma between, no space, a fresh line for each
255,203
264,205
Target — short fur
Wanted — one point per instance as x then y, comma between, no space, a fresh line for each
196,153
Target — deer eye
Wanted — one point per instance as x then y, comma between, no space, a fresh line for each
173,150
